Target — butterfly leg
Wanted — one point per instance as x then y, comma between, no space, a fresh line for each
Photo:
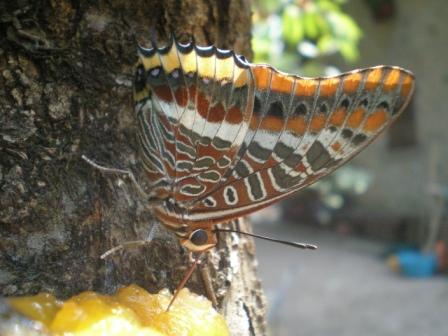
122,246
187,276
205,277
207,281
131,244
128,173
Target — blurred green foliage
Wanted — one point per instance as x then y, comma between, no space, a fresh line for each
292,34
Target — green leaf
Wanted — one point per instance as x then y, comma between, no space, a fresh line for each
292,27
327,44
343,26
310,25
261,47
328,5
349,51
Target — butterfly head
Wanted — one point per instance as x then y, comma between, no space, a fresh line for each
196,237
199,240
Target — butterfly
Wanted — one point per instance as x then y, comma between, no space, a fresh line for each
220,137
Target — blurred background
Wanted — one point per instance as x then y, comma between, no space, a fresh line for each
380,222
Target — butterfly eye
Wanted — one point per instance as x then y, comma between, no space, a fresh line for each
199,237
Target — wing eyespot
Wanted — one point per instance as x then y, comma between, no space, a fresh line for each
300,110
276,109
346,133
383,105
358,139
323,108
345,103
364,103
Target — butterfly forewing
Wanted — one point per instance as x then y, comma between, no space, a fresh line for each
223,137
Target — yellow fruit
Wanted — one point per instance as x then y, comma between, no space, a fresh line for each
132,311
41,307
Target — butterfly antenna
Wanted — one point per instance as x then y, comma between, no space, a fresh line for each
280,241
186,277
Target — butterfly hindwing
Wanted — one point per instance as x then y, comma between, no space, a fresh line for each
329,121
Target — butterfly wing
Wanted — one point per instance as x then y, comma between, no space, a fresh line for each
301,130
193,105
222,138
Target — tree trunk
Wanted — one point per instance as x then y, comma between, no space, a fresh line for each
66,70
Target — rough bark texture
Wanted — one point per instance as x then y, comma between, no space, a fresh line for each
66,70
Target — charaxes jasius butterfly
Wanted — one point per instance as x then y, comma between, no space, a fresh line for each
221,138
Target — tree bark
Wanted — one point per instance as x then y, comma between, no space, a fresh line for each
66,70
